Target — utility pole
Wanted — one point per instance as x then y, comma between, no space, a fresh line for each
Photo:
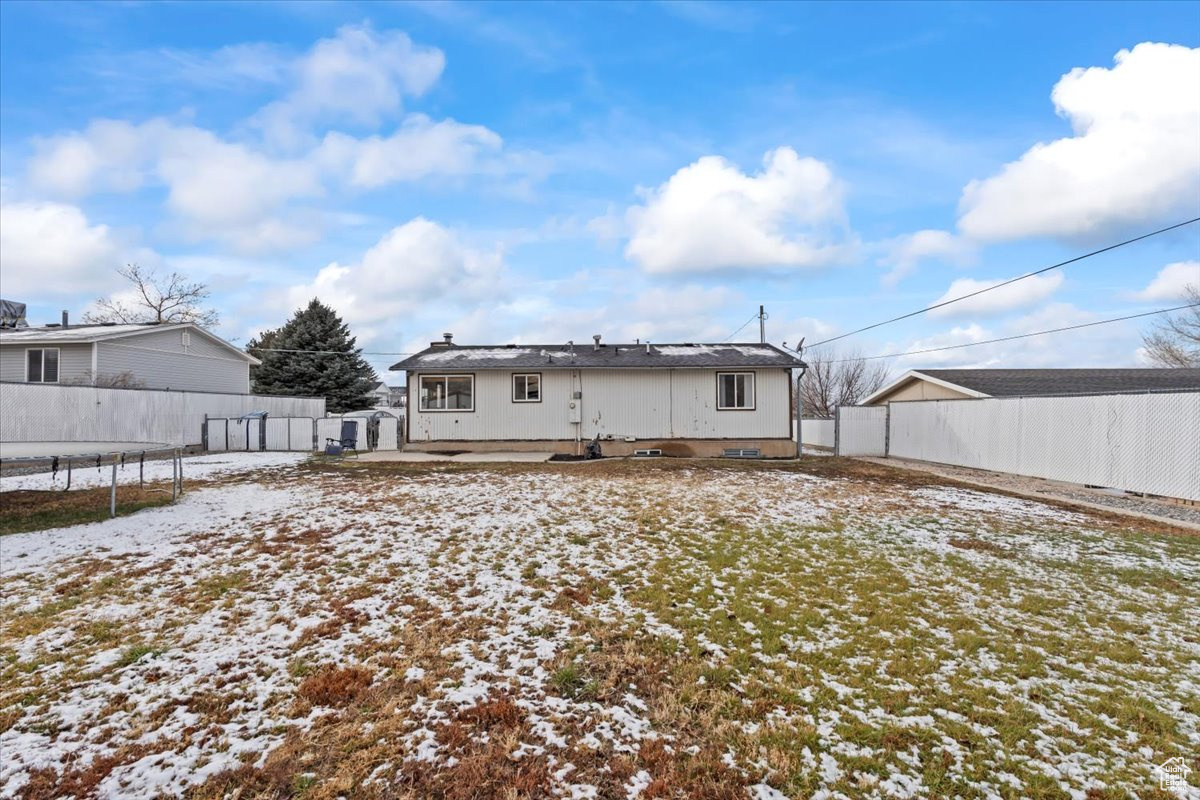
762,325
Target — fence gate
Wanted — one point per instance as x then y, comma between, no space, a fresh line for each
861,431
216,435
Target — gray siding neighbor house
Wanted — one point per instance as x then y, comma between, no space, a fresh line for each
680,399
179,356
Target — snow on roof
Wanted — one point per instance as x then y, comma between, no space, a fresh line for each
607,356
74,333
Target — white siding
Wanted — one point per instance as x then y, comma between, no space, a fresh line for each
74,362
645,404
160,360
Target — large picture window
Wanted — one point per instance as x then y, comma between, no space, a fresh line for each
447,393
527,388
735,391
41,365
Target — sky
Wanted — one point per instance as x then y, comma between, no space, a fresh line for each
655,171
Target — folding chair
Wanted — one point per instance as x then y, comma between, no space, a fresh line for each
348,440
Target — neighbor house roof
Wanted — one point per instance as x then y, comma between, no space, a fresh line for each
608,356
85,334
1027,382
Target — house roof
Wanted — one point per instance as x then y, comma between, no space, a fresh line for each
1029,382
85,334
608,356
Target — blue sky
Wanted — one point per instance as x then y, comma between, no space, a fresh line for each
546,172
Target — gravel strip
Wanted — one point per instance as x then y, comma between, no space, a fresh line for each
1166,510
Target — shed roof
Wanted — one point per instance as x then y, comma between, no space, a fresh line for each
1029,382
85,334
608,356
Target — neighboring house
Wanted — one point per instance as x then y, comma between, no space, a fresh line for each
381,395
179,356
682,399
399,397
957,384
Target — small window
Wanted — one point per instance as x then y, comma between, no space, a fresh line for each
527,388
41,366
447,393
735,391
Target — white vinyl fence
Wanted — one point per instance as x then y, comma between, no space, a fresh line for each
817,432
1135,442
33,412
861,431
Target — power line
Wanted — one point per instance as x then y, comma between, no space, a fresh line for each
739,330
1018,336
325,352
1009,281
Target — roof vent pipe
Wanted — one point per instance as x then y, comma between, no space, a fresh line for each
647,347
449,337
64,318
596,342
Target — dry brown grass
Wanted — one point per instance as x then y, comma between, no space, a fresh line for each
335,686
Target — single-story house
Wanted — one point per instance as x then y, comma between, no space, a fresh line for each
677,399
381,395
959,384
180,356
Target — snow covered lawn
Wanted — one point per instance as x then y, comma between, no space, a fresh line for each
620,629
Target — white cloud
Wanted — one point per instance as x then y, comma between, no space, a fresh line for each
410,267
51,249
712,216
905,252
1171,281
1134,159
358,76
1023,293
417,149
257,196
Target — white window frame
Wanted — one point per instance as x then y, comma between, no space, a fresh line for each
443,378
750,391
527,398
57,363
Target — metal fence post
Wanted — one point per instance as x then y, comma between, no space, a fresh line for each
180,473
837,431
112,494
174,475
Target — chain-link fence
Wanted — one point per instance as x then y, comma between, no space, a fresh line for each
1146,443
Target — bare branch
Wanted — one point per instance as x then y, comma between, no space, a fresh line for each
838,379
1175,341
161,299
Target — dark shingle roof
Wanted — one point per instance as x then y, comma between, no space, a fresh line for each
1016,382
609,356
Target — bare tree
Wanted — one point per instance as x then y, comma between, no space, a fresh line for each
1175,341
837,379
157,298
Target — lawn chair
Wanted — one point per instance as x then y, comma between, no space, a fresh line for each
348,440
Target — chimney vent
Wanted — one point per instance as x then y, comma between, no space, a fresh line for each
596,340
449,337
647,347
64,318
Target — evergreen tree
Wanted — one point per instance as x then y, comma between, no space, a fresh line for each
338,372
258,345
